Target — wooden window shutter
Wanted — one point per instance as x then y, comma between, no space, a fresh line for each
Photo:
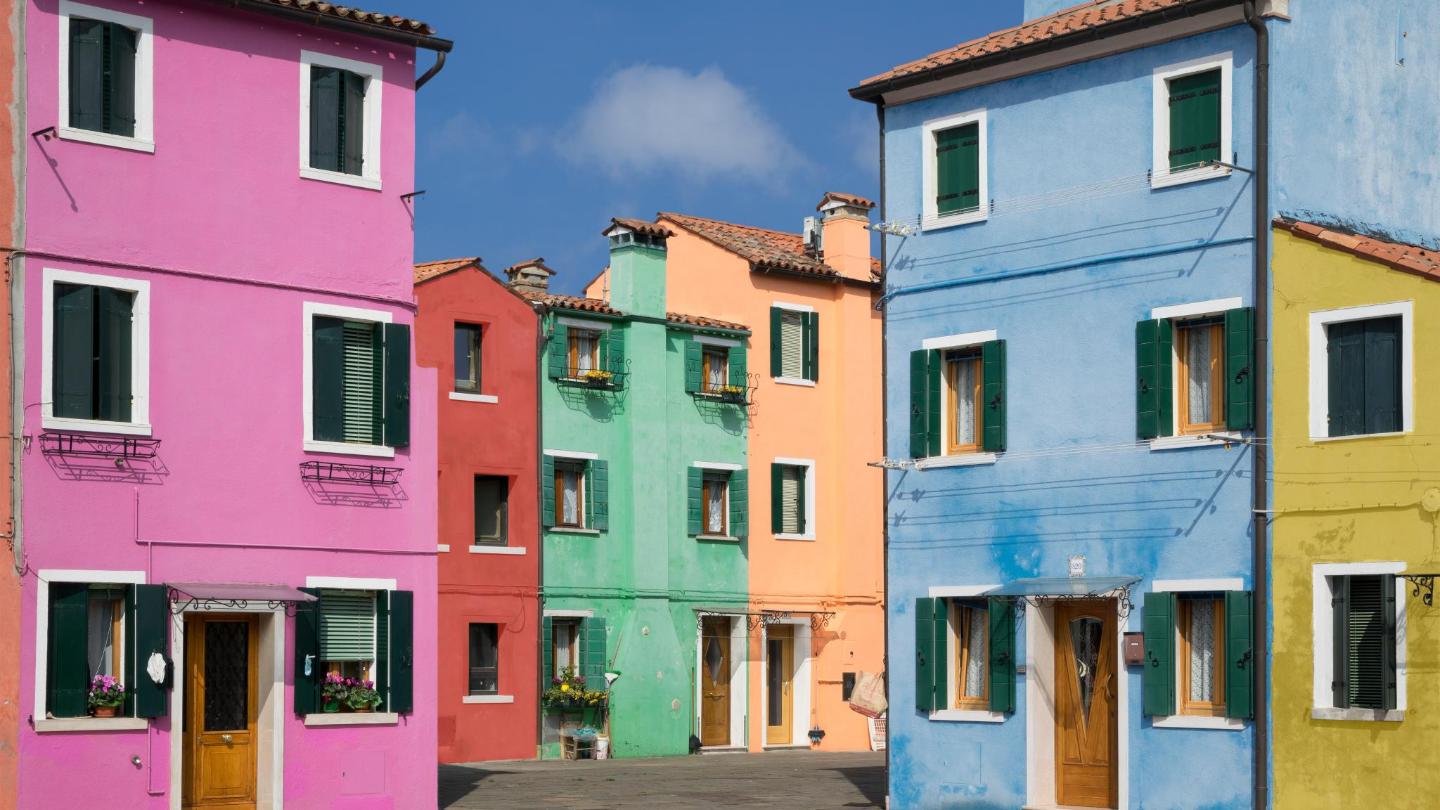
920,403
558,352
150,631
1365,642
121,44
927,658
113,353
777,498
1002,654
802,481
957,169
397,385
993,415
1345,355
1158,682
73,349
380,672
1382,376
1154,358
307,651
1239,365
592,652
547,652
352,123
325,113
1387,638
739,504
86,74
597,495
736,363
694,507
1194,119
811,345
613,349
131,670
941,628
327,383
694,365
1340,635
547,491
67,672
775,342
1240,659
401,627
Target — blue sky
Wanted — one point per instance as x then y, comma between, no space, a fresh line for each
551,117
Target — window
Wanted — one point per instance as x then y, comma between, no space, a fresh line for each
1191,121
1364,359
1199,662
718,503
340,121
1200,352
964,655
95,352
969,628
484,659
95,629
347,633
715,370
962,388
584,352
565,646
955,176
1201,624
574,643
794,344
358,364
588,353
570,489
492,494
106,86
789,496
1193,370
467,358
356,628
1364,664
576,492
957,398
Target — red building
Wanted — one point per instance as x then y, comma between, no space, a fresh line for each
481,337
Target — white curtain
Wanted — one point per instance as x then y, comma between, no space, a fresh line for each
584,347
1197,364
570,498
1202,651
718,372
715,509
964,401
100,646
975,659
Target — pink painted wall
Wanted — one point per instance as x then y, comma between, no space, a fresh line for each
11,129
221,196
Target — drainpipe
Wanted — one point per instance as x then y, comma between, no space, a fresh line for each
885,450
541,339
1261,658
430,74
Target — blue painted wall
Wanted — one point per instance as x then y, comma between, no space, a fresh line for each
1068,155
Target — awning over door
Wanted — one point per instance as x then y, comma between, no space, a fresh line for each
1064,587
236,594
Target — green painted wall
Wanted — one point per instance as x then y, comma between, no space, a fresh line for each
644,575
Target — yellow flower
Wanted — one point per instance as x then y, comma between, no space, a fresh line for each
564,687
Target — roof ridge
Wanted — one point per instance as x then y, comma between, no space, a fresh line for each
1406,257
731,224
475,259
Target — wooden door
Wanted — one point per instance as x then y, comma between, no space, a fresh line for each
715,681
221,691
1086,739
779,684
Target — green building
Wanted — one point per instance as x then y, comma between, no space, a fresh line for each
643,494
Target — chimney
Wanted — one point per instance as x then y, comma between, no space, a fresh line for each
530,276
844,234
637,266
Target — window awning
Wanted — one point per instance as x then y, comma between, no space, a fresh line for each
1064,587
236,592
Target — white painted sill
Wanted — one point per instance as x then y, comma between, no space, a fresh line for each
340,178
106,139
95,426
803,383
1167,179
52,725
460,396
1217,439
805,537
442,546
1198,722
569,530
352,719
347,449
967,716
505,550
1364,715
488,699
965,460
1328,439
718,538
936,223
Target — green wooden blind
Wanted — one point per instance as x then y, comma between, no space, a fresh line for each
927,657
739,504
1239,362
347,625
114,313
1240,659
1194,119
787,498
73,352
547,652
811,345
1158,682
352,123
1002,654
150,633
775,341
101,79
694,365
957,169
397,385
920,360
67,672
402,651
327,373
1364,361
307,652
380,672
792,347
361,387
592,652
739,374
612,348
547,490
694,497
777,501
993,416
559,352
1364,638
940,626
1155,387
337,120
597,494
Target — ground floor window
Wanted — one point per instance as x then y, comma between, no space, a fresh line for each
1364,641
484,659
1202,654
358,634
347,633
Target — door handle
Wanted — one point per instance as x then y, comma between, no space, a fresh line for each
227,739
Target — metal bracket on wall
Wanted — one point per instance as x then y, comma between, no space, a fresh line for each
1419,582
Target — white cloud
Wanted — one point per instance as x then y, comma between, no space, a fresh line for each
647,118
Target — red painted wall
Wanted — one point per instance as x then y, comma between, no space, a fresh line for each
481,438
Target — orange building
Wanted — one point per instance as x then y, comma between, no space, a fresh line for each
816,615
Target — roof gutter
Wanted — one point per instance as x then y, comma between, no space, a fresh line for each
433,43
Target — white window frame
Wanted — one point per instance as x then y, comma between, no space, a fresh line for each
964,340
716,466
1323,633
1180,312
809,465
930,218
1160,174
45,576
948,714
375,585
310,310
139,424
1320,365
1185,586
374,80
144,138
804,309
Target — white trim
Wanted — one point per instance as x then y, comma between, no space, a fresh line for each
487,699
43,578
1218,438
351,583
1192,721
959,591
960,341
707,340
801,642
803,383
53,725
144,137
739,682
1160,175
139,424
461,397
374,81
809,465
930,217
950,714
352,719
791,307
504,550
569,614
1322,630
584,323
1197,585
1320,364
718,465
966,716
725,538
573,530
309,310
960,460
574,455
442,546
1213,307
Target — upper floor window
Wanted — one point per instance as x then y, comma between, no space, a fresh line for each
957,397
717,499
575,492
590,353
492,498
106,85
794,344
716,368
1192,121
358,381
1364,359
955,177
792,499
467,358
1359,622
484,659
1193,370
340,121
96,352
584,352
963,383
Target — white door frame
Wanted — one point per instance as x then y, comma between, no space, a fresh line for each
799,679
738,682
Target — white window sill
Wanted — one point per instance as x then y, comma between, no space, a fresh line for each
1371,715
1166,179
442,546
352,719
572,530
106,139
95,426
794,381
1215,439
1326,439
506,550
806,537
52,725
938,222
460,396
488,699
965,460
340,178
967,716
718,538
1196,721
348,449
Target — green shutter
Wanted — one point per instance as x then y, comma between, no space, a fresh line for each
547,652
941,628
121,45
592,652
1239,364
694,365
801,486
67,672
1365,674
1382,376
810,330
994,407
934,397
777,498
957,169
613,350
326,100
402,651
1194,119
776,343
926,656
1002,655
1154,358
920,403
1340,627
352,122
86,74
1240,658
1387,641
597,498
739,504
547,490
113,353
1158,681
694,496
151,634
381,670
73,351
397,385
559,352
131,670
739,373
327,372
307,649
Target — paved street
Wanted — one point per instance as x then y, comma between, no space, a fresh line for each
799,780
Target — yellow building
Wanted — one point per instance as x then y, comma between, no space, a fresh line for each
1356,462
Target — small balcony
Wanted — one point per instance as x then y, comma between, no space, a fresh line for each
594,379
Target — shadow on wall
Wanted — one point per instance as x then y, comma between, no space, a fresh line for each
730,418
601,406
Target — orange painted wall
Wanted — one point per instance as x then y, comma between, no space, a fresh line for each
11,234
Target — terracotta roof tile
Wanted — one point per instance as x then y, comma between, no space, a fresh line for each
847,199
572,302
538,263
763,248
640,226
428,270
705,323
1398,255
391,21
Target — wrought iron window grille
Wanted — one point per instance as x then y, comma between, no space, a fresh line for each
120,448
727,393
332,472
595,379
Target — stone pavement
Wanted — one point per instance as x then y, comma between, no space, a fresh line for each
794,780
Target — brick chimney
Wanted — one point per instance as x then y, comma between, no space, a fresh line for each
845,234
530,276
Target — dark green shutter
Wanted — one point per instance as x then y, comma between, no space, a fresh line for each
810,331
73,350
307,646
352,122
927,658
1340,627
559,352
1382,376
114,353
121,45
777,499
397,385
547,490
128,641
957,169
1365,376
802,486
327,371
1239,362
383,656
1002,655
151,634
613,349
402,652
739,504
86,74
739,373
1240,659
1154,359
1345,350
1387,641
547,652
694,496
920,403
1158,681
67,672
775,342
1365,674
592,652
934,397
326,102
1194,119
994,407
941,628
597,489
694,365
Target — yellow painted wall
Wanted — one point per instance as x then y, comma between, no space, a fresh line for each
1351,500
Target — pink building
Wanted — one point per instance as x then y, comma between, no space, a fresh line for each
227,467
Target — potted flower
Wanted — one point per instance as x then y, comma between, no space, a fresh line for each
334,692
107,695
567,694
597,378
732,393
363,697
